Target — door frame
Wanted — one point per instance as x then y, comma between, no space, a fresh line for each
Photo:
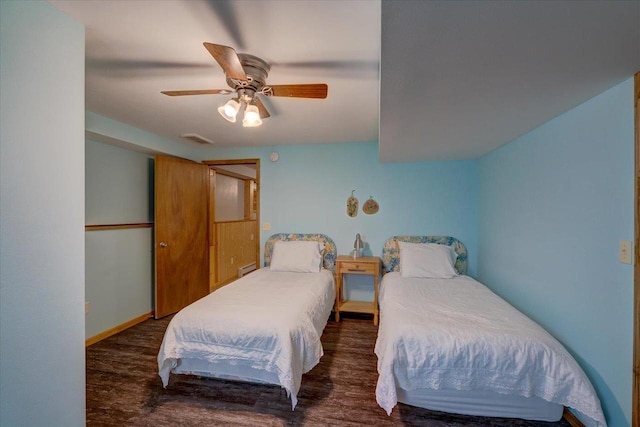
212,164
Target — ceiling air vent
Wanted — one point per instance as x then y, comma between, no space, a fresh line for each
196,138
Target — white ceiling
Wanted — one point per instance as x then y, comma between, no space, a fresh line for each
458,78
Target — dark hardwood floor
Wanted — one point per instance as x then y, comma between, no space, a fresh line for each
123,388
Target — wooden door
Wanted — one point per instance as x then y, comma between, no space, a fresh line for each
181,247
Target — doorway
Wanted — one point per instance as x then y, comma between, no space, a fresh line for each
234,217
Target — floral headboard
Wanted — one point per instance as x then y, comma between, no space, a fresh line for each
391,253
330,251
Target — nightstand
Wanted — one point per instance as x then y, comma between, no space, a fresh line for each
368,265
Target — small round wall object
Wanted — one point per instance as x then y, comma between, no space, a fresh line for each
370,207
274,156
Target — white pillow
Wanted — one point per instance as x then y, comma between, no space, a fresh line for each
429,260
297,256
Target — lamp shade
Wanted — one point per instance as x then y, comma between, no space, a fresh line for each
251,117
230,110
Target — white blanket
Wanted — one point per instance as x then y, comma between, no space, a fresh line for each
266,320
457,334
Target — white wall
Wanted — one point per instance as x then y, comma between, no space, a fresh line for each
42,369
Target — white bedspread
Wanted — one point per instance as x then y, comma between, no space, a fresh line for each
266,320
457,334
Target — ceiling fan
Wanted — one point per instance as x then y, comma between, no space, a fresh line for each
246,76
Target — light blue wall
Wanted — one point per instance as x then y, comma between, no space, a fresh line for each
119,184
553,206
307,189
42,365
119,277
119,263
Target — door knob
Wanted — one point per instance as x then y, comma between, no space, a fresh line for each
163,244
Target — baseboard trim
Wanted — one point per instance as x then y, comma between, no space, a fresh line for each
119,328
571,418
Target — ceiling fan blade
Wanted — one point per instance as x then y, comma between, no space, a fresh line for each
228,60
314,90
358,65
197,92
142,64
361,69
264,114
227,12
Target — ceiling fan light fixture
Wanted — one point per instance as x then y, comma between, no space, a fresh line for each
251,117
246,75
230,110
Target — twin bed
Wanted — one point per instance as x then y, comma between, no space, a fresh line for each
445,341
448,343
266,326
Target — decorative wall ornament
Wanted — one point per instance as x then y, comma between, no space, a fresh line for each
352,205
370,207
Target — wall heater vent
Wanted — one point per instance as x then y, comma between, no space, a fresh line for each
242,271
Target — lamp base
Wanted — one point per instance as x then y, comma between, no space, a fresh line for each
356,253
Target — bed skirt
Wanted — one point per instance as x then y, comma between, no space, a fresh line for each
483,403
